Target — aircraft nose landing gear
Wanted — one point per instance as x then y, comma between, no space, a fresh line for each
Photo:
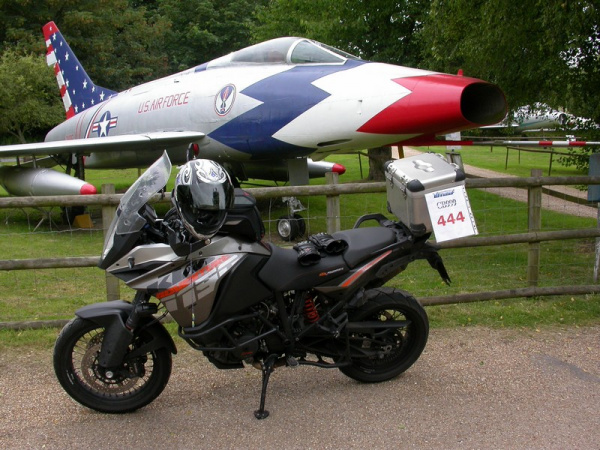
292,225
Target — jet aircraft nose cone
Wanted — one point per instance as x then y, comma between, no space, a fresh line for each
439,104
338,168
88,189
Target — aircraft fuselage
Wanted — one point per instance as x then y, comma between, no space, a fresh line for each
266,111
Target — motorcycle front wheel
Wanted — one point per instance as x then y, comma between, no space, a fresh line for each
137,382
384,354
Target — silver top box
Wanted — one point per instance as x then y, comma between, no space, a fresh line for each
409,179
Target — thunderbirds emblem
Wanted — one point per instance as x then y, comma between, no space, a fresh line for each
224,100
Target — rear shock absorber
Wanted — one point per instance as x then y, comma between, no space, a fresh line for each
310,310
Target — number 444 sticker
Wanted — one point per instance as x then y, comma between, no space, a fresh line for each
450,213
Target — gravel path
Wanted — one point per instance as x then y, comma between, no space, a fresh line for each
472,388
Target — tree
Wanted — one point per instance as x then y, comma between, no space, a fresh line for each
377,30
122,43
115,43
119,45
202,30
535,51
27,96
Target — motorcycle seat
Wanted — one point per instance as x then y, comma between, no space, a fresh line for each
364,242
283,272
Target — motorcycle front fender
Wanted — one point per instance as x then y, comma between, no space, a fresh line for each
117,337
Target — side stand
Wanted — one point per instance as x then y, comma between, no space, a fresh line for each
267,368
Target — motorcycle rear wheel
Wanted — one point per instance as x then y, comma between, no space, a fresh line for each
133,385
396,349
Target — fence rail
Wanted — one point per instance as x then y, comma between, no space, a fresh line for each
533,184
298,191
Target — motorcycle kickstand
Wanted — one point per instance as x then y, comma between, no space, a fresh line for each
267,368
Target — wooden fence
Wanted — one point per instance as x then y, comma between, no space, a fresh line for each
108,200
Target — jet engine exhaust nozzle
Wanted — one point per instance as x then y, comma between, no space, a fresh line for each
439,104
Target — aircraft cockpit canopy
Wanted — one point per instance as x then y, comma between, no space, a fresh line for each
286,50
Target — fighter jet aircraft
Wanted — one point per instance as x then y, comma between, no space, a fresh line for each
534,117
260,111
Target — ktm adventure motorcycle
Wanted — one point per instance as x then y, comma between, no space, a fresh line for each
241,301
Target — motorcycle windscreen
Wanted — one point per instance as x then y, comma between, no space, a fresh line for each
127,219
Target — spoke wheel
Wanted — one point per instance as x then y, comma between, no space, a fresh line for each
133,385
384,354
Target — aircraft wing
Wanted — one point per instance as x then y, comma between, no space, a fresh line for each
103,144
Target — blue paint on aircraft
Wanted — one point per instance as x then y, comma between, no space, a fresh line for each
284,97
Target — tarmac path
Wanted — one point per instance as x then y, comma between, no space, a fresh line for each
472,388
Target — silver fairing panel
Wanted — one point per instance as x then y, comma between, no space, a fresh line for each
187,286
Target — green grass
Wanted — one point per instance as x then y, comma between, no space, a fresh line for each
57,293
519,163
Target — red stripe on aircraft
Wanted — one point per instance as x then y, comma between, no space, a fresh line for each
432,105
48,30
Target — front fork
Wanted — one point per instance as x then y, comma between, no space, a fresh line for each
119,334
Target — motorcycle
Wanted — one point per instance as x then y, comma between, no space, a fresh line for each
241,301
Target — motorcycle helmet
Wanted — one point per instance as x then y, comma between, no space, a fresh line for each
203,193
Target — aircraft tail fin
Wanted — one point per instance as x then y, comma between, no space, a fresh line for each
77,90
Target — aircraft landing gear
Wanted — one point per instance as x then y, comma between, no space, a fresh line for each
292,225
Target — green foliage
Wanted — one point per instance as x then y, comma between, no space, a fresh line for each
27,95
535,51
116,43
201,30
120,43
375,30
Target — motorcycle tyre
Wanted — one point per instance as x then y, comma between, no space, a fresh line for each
81,391
390,299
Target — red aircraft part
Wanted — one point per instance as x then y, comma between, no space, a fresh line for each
26,181
439,104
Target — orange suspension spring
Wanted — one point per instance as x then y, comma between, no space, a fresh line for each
310,310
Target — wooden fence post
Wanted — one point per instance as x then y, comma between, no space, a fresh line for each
108,212
534,205
597,256
333,205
